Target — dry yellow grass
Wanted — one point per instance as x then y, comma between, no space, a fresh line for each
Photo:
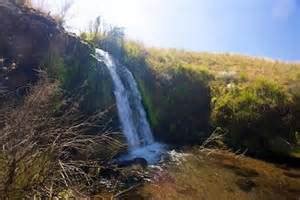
222,175
246,67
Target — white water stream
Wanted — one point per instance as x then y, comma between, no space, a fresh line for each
131,112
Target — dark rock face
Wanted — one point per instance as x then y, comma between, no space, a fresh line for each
31,40
26,36
178,105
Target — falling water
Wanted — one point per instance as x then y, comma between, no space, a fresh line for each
131,111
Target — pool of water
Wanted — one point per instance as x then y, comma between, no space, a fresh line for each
151,153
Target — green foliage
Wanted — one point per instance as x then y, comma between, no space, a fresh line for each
70,71
240,103
97,90
255,114
107,37
179,88
91,84
176,95
152,111
82,78
30,171
134,54
113,41
55,66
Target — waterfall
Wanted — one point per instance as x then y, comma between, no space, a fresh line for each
131,112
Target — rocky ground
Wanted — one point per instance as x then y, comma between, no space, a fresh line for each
211,174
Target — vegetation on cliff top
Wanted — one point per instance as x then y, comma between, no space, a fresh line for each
254,100
188,94
55,134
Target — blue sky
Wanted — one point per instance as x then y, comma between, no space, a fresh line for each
267,28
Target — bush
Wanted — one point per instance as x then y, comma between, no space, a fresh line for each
107,37
257,115
81,77
176,97
183,103
45,149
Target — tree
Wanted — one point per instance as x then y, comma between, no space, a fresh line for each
114,40
63,10
107,37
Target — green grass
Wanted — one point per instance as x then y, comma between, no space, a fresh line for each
255,99
189,94
244,66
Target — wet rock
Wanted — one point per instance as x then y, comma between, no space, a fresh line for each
136,161
175,157
109,173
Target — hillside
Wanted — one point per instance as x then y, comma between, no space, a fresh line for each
246,95
62,118
53,129
243,67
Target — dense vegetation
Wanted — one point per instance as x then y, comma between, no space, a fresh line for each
188,95
55,127
176,97
258,117
254,100
255,103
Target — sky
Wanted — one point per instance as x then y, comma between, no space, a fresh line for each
264,28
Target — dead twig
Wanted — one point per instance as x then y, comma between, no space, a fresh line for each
44,152
116,196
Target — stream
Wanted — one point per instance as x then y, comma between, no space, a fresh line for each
131,112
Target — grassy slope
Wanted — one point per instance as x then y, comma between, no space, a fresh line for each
246,67
177,99
253,93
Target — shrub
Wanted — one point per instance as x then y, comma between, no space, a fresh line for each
176,96
255,115
81,77
107,37
44,149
